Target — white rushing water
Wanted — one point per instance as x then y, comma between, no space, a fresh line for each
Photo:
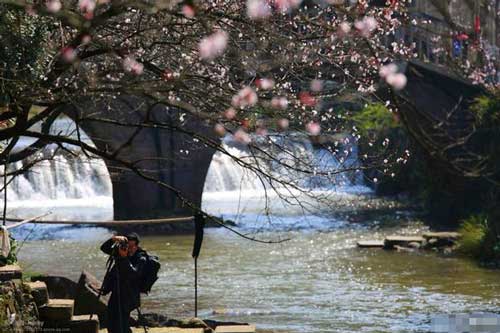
60,178
69,185
299,174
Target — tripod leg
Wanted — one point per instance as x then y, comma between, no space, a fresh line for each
196,287
109,264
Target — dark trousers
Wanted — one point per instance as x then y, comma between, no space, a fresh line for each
118,316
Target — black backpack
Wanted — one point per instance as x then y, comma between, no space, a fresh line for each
150,272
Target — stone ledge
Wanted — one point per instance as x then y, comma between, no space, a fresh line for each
39,292
10,272
82,324
370,243
57,310
442,235
391,241
235,329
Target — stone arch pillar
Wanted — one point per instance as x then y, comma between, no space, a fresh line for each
169,156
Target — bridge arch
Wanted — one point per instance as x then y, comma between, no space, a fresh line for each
167,155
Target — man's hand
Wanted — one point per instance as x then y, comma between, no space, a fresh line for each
119,239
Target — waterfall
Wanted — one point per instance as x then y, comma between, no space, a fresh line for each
281,157
297,169
68,183
62,177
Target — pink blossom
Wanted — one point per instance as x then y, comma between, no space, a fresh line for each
370,23
86,5
397,81
219,129
53,6
344,28
86,39
307,99
264,84
230,113
188,11
245,97
283,123
133,66
279,103
316,85
366,25
286,5
313,128
68,54
88,15
258,9
241,136
213,46
387,70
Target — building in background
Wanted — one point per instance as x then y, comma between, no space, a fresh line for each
460,28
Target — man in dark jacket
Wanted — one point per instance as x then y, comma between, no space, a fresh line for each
123,280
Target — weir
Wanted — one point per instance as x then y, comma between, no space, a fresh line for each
79,188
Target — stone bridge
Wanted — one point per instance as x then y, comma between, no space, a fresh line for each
171,157
178,160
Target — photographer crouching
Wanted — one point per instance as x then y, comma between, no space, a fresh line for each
123,279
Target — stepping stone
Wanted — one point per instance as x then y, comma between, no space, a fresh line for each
391,241
235,329
10,272
57,310
441,239
403,249
442,235
39,292
82,324
370,243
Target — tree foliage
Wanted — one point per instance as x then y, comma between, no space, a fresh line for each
250,69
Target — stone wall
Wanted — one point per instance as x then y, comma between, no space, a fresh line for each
18,311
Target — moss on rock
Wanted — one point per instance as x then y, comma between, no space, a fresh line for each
18,311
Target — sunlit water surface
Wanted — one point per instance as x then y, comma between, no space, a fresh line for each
318,281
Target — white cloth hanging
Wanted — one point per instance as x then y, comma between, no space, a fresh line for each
4,242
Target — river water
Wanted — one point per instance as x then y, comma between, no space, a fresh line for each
316,281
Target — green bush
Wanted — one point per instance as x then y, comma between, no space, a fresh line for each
486,110
12,257
473,230
374,118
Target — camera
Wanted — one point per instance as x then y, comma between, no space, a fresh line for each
121,245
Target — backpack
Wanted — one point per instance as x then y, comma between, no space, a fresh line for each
150,272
